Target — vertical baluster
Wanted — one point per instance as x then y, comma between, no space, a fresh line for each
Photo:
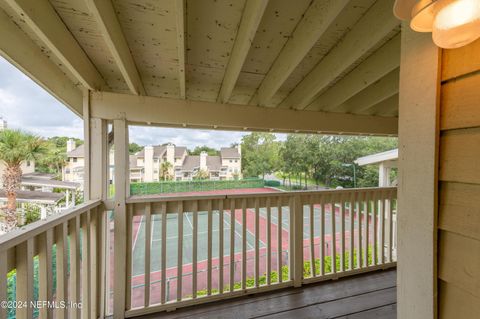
381,212
342,233
322,235
367,228
257,243
312,238
209,248
62,269
375,228
74,229
45,273
269,241
220,246
244,243
195,247
164,252
232,244
3,282
291,238
180,251
24,284
94,274
279,239
129,265
85,221
390,240
358,207
352,222
333,241
148,248
104,247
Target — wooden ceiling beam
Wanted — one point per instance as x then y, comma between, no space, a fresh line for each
368,32
114,38
319,16
207,115
22,52
376,66
388,107
180,19
43,20
251,18
372,95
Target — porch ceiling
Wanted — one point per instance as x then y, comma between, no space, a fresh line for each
335,56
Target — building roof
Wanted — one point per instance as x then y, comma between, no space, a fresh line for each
38,175
34,197
39,182
180,150
77,152
133,162
377,158
191,162
158,151
229,152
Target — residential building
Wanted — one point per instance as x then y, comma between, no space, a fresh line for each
146,165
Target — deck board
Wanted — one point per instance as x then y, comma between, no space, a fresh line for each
371,295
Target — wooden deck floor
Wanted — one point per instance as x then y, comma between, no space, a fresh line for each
366,296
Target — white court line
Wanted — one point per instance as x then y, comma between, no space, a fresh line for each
138,232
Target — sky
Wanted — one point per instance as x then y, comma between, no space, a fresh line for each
27,106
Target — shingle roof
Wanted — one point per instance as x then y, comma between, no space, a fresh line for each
77,152
158,151
180,150
214,163
133,161
229,152
35,196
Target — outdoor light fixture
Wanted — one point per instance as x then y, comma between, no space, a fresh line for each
453,23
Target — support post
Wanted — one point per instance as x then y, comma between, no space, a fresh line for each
120,217
417,191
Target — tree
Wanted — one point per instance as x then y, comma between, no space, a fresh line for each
260,154
165,170
210,151
53,160
201,174
134,148
16,147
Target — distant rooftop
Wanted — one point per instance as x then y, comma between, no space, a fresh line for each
377,158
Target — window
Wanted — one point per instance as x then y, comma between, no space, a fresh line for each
74,159
236,161
28,163
67,171
231,161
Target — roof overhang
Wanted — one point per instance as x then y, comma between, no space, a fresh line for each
388,156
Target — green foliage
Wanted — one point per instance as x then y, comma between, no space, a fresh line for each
328,159
272,183
210,151
134,148
201,174
32,213
17,146
55,156
192,186
260,154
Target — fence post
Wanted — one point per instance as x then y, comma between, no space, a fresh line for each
297,252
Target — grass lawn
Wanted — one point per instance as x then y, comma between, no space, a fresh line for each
295,180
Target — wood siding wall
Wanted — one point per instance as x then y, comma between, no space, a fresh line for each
459,178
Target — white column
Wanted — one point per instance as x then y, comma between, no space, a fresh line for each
120,219
417,190
67,198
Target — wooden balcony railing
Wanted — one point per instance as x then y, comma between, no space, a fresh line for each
189,250
73,241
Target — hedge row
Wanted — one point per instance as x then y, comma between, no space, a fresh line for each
193,186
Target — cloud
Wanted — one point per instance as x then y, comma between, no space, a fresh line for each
27,106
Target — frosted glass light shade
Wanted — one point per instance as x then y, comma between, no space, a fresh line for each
453,23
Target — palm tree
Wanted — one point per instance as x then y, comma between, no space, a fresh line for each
165,170
16,147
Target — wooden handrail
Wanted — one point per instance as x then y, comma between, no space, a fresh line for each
22,234
171,198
